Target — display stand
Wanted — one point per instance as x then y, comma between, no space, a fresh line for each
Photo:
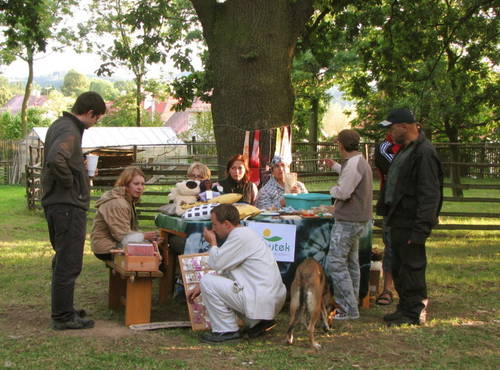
193,267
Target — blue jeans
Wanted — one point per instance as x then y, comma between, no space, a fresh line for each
67,226
343,264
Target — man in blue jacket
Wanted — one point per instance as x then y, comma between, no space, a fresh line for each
413,197
65,200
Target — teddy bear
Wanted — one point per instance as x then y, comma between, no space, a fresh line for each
185,192
208,191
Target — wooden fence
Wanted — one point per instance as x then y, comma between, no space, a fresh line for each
160,176
10,153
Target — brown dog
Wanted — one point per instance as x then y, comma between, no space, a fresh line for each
309,292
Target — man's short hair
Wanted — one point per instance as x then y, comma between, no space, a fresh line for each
349,140
89,101
226,212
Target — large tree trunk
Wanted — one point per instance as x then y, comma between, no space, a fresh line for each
27,94
251,46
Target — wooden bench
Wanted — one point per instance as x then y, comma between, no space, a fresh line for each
132,289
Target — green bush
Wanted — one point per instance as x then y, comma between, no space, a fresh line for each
10,124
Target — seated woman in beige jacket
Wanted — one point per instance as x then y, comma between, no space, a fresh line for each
115,223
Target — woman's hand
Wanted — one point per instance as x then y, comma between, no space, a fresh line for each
152,235
295,189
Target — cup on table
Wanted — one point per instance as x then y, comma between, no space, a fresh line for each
92,164
290,181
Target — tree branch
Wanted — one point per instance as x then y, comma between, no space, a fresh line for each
314,26
301,11
206,14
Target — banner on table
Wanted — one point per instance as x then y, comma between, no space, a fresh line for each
279,237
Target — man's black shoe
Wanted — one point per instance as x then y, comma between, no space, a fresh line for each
74,324
396,315
210,337
403,321
260,328
82,313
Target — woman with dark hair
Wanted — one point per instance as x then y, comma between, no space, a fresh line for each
115,223
238,179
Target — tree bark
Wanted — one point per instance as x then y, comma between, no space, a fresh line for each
251,46
27,94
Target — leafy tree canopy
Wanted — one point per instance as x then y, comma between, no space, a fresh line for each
436,57
75,83
27,27
144,33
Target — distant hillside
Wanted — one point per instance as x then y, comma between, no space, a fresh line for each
56,79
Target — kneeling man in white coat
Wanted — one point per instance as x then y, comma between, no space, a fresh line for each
248,281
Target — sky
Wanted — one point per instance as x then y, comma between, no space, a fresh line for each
62,62
87,64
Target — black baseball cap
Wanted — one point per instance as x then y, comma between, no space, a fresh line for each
400,115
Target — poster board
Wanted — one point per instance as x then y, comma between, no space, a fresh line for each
280,238
193,267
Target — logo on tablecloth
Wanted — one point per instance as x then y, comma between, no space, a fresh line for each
279,237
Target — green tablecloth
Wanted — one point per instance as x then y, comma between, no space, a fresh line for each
312,240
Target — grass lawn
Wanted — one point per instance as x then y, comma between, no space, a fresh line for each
463,331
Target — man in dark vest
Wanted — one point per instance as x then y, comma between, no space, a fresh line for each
65,201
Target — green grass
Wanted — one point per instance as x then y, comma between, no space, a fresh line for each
463,331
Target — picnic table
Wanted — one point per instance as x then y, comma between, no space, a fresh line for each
312,240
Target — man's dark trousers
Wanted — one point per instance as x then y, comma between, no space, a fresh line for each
67,227
408,269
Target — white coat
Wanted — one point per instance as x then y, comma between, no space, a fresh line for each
245,258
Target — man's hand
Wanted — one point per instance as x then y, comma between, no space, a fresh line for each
193,293
209,236
329,162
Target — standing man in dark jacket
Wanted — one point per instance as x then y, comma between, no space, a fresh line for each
413,197
65,201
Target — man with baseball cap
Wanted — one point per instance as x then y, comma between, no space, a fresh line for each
412,198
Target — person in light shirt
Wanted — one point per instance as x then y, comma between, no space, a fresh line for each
270,196
353,213
248,281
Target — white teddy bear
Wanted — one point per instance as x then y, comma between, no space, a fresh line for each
185,192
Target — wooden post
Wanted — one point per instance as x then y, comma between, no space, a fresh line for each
138,301
117,290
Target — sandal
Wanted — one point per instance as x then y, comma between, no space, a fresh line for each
385,298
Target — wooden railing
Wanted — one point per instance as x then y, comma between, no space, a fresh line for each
154,198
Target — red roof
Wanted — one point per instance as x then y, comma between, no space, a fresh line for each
14,105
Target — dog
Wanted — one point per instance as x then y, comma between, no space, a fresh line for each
310,293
